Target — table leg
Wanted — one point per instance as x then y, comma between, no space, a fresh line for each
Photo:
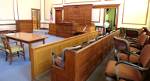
30,46
43,41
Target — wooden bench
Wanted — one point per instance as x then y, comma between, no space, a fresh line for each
41,56
80,64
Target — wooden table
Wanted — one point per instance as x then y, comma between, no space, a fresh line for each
26,38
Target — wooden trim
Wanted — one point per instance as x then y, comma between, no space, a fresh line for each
58,8
136,23
45,23
80,2
99,17
8,24
109,6
106,6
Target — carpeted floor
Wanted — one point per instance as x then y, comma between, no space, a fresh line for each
20,70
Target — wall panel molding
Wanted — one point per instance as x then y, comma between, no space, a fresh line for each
96,18
56,2
134,22
7,11
65,2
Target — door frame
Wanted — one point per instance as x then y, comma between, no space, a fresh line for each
110,6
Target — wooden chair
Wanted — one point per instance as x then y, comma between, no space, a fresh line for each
12,49
128,71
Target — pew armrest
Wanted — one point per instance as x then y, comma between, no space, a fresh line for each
57,68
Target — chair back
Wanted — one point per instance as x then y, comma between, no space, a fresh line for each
142,38
5,42
121,44
1,43
145,56
131,33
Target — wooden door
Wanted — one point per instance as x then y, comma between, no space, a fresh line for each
36,18
58,15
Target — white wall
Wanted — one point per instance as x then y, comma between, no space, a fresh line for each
131,14
25,6
12,10
46,6
134,13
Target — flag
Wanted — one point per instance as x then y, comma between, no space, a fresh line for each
51,14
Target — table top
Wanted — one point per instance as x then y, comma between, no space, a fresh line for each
25,37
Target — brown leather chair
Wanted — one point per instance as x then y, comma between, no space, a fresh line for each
140,41
12,49
123,45
129,71
126,49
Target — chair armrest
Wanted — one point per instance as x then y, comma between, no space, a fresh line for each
135,54
132,65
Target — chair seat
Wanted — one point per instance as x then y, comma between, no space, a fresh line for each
15,49
124,71
133,49
132,58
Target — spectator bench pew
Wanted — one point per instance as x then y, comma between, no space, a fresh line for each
41,56
79,64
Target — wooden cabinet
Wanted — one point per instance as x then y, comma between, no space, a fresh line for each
24,26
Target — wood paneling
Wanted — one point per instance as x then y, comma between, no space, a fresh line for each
24,26
52,29
78,13
68,29
41,56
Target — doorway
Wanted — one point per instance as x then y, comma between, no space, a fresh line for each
110,17
36,18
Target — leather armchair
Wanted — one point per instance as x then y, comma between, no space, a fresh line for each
128,71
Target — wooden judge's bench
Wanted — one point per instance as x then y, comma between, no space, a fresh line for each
77,20
68,29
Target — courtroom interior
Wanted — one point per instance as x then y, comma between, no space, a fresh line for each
75,40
